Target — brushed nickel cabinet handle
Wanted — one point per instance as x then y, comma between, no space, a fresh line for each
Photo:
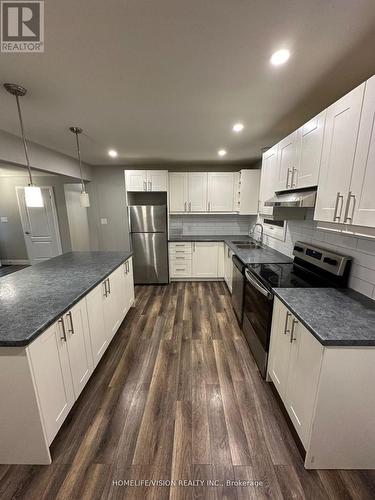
109,286
69,314
61,321
144,186
105,288
149,185
287,178
338,197
346,216
185,206
209,206
292,338
288,315
293,184
189,206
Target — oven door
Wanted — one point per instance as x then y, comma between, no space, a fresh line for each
257,317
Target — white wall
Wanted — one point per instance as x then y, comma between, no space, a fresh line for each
77,218
362,250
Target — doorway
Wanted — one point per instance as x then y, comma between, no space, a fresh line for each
40,226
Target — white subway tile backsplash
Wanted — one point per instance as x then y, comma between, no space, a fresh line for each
362,277
210,224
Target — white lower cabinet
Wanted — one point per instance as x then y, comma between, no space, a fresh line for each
294,366
52,376
327,392
61,359
196,260
228,267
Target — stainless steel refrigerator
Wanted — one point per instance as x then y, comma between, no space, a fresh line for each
148,227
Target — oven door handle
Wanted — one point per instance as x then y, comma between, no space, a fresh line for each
251,279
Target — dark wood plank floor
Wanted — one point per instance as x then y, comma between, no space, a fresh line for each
178,396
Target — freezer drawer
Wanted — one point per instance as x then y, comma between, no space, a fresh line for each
150,258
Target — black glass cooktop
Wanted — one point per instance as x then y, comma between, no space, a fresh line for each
287,276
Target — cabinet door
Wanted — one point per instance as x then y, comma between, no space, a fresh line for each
280,347
305,361
197,189
95,314
178,192
288,155
50,365
78,346
228,267
249,192
112,305
130,282
361,204
220,191
310,136
268,179
136,180
157,180
205,260
126,288
339,145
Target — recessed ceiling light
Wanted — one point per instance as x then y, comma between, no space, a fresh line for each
280,57
222,152
238,127
113,153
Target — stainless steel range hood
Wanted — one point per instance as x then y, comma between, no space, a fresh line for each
290,205
298,199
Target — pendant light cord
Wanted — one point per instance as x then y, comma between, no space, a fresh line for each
80,163
24,140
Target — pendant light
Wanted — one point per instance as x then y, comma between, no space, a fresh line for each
83,197
33,194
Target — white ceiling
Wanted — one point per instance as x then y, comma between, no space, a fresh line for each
165,80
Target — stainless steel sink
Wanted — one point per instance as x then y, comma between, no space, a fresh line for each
246,245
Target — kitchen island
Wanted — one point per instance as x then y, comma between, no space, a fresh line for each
56,321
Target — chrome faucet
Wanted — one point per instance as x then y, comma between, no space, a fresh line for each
260,241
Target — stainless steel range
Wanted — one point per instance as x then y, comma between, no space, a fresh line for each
312,266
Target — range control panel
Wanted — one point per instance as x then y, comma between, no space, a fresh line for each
333,262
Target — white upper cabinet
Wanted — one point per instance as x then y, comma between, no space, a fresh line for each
339,147
178,192
136,180
268,181
249,192
310,137
288,154
360,203
220,192
146,180
157,180
197,189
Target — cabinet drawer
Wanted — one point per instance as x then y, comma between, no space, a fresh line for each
180,269
180,248
180,257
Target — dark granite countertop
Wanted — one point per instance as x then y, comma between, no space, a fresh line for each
264,255
35,297
336,317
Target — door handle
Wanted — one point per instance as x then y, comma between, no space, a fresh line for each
346,217
294,322
288,315
69,314
335,216
27,232
61,321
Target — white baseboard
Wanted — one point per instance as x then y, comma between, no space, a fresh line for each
15,262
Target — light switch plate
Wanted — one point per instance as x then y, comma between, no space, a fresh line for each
104,221
3,219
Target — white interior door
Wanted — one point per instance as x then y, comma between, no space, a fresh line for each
40,226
